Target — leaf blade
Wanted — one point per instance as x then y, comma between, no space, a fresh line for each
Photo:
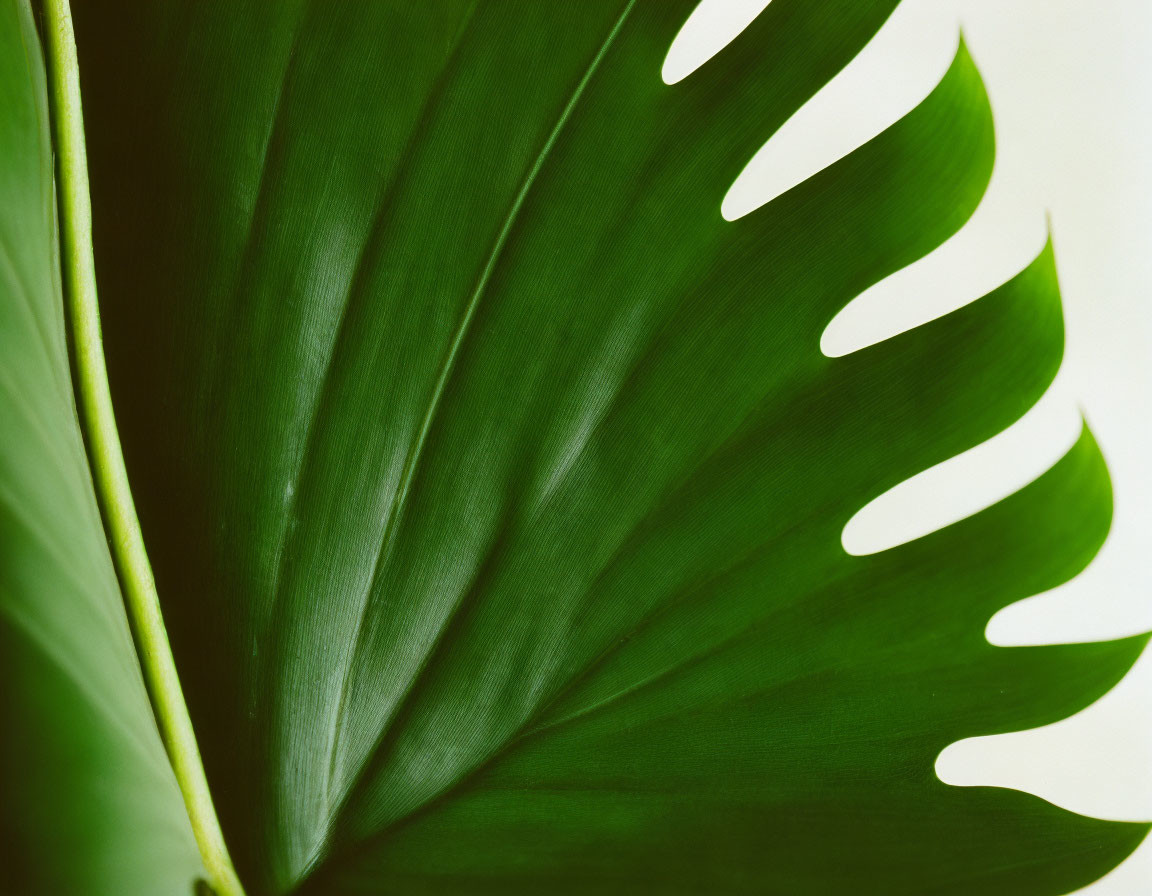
638,414
85,777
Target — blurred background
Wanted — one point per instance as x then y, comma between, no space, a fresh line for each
1071,89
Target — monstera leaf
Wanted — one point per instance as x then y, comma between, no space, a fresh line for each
492,482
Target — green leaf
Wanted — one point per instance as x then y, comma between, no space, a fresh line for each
89,803
494,483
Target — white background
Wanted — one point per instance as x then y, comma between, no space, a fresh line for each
1071,88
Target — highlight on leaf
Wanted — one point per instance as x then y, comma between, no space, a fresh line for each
493,483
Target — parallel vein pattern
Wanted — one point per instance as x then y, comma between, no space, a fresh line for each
494,484
413,459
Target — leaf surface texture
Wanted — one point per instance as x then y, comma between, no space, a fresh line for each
494,483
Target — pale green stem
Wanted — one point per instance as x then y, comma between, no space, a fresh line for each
107,460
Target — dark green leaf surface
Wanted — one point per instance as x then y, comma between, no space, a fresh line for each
89,804
494,484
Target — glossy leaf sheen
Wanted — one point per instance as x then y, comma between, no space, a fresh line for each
494,483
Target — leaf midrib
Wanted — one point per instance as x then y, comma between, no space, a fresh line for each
109,470
105,457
